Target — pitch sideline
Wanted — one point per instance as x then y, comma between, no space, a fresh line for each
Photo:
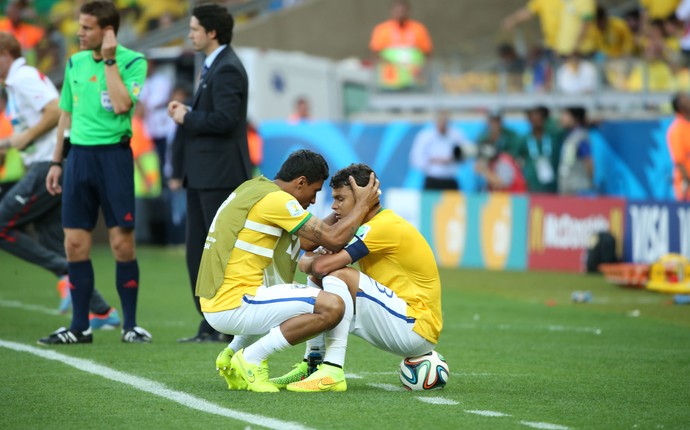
152,387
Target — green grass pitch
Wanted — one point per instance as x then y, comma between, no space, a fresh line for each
521,355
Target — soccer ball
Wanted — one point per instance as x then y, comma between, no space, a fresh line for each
426,372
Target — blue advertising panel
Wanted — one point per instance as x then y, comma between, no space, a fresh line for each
653,229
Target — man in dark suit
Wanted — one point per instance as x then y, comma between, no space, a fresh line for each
210,152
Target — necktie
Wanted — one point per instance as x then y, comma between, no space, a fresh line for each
204,71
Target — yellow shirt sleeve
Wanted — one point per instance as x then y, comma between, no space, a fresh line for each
283,210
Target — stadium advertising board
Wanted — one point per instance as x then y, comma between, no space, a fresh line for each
656,228
561,229
475,230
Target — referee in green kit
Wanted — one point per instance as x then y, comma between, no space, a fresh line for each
101,87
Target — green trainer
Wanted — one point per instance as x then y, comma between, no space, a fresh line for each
223,366
327,378
255,376
295,375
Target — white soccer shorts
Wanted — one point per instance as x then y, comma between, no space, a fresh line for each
381,319
269,308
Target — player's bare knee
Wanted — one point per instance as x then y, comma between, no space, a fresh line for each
77,247
122,245
330,307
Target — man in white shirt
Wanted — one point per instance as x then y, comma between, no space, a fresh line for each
32,107
437,152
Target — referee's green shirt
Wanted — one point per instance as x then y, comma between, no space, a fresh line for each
85,96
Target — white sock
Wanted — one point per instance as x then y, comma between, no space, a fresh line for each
317,343
259,351
336,338
311,283
242,341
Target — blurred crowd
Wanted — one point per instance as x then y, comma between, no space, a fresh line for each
585,47
47,29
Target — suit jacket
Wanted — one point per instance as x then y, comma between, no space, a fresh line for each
210,149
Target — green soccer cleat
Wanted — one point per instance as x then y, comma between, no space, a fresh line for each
256,377
327,378
223,366
295,375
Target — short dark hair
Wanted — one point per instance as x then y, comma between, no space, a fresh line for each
675,102
579,114
10,43
602,13
303,163
360,172
105,12
541,110
216,18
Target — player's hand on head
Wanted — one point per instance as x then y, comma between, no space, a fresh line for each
369,193
109,44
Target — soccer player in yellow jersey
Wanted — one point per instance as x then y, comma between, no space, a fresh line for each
245,277
396,296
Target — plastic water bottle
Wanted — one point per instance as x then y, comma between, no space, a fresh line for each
681,299
581,296
314,359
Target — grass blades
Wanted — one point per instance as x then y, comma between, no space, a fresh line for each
521,355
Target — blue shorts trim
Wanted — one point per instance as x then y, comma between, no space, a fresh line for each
308,300
405,318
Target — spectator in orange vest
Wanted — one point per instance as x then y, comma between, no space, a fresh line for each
678,138
401,45
256,146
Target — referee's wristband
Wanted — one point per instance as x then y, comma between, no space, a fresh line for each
56,163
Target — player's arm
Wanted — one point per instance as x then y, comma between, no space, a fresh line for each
48,121
309,245
517,17
319,265
335,237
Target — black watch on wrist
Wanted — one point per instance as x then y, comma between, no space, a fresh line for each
109,62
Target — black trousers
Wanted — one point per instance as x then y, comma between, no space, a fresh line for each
440,184
201,208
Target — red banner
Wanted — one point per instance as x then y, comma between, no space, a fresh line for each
561,229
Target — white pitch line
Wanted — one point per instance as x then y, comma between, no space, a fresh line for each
387,387
544,426
153,387
487,413
438,401
353,376
594,330
35,308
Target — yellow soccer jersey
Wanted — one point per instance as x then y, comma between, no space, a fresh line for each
549,13
659,9
392,252
250,256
